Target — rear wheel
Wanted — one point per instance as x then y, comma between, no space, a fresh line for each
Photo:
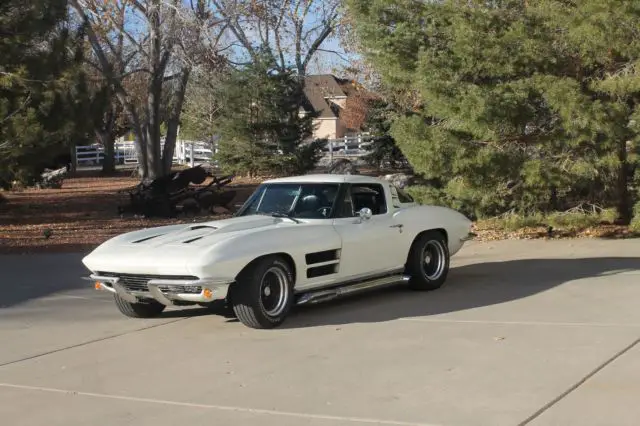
263,293
428,262
139,310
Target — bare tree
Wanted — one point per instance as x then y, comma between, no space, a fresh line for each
119,56
166,39
291,31
201,107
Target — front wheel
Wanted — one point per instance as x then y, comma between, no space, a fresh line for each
263,293
139,310
428,262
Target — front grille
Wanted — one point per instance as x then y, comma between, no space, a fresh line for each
186,289
138,282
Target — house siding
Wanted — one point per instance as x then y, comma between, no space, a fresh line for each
326,128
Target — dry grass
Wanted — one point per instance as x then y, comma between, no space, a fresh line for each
572,224
80,215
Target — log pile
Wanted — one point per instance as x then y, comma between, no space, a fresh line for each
170,195
343,167
52,178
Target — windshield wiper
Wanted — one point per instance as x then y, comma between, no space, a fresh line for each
284,215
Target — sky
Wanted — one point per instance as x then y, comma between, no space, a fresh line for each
323,62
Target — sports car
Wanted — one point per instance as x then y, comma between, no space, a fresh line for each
296,240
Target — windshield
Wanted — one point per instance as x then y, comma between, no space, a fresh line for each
299,200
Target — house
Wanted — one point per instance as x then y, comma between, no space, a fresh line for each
328,96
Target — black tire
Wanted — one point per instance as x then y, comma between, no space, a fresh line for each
219,307
139,310
430,275
251,294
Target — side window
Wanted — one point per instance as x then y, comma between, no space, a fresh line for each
315,201
395,200
346,206
404,197
368,195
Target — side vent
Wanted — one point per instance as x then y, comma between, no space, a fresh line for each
322,263
148,238
320,271
322,256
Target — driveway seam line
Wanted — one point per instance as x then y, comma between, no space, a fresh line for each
249,410
579,383
527,323
89,342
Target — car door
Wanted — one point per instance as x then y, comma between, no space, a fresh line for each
370,246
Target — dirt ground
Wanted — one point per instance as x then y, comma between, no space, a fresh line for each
84,213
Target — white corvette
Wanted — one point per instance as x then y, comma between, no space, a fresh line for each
296,240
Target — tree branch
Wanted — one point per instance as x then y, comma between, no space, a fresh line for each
20,108
139,6
338,54
329,24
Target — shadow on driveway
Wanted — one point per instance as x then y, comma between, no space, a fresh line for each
468,287
23,278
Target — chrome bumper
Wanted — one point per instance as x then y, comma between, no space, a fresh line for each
166,291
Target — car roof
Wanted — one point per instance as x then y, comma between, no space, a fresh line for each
327,178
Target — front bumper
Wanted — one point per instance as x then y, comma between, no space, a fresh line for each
167,291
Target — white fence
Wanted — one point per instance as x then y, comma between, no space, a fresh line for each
352,148
195,152
186,152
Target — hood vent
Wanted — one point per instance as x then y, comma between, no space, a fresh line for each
148,238
193,239
196,227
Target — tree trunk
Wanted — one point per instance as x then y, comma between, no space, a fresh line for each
153,150
154,93
173,123
624,202
108,142
154,159
74,158
141,153
169,145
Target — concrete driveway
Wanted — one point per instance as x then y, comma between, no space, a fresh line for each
536,333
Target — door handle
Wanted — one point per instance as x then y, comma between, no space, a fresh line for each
396,226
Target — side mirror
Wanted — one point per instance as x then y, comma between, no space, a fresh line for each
365,213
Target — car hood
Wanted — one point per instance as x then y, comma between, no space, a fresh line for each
168,250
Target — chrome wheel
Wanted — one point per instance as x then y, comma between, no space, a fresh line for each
434,260
274,292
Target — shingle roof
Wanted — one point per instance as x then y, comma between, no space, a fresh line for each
319,87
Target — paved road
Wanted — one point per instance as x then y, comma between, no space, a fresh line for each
536,333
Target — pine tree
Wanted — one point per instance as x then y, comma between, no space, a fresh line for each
383,149
259,123
43,92
524,105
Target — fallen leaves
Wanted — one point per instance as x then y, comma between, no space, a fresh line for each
83,214
529,233
78,217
